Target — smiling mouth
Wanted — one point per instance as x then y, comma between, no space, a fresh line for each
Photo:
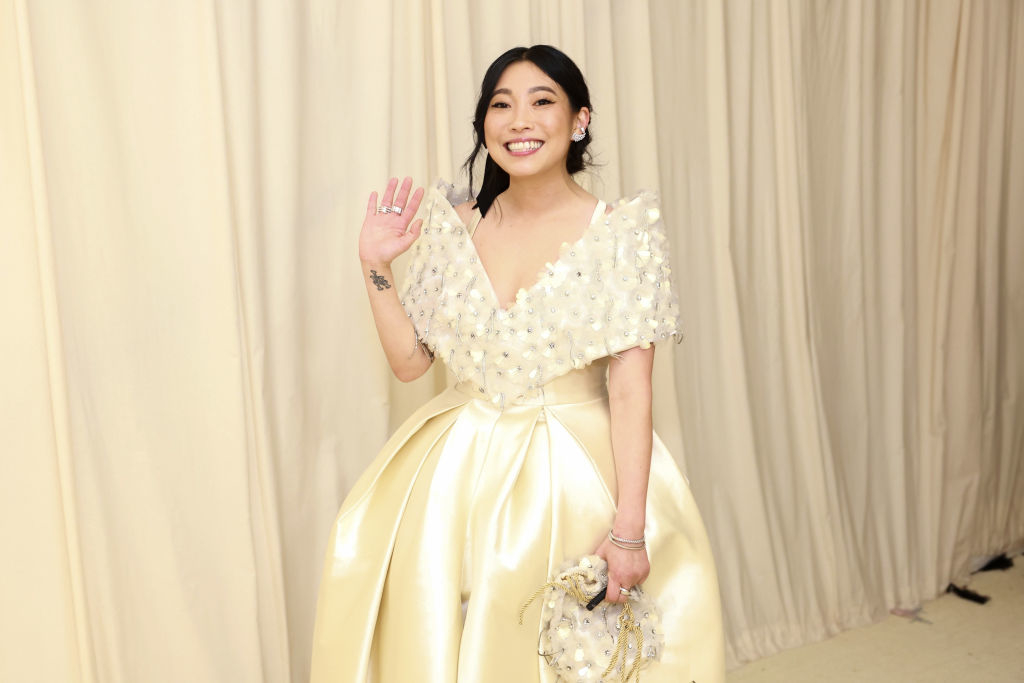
521,147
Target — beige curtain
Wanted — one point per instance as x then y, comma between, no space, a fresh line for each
853,255
189,377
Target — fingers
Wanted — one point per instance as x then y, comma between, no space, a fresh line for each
414,203
401,200
403,194
387,199
371,207
613,594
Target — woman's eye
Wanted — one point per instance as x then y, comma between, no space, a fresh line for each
543,100
499,105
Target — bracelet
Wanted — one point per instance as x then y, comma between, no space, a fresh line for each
626,547
634,541
627,543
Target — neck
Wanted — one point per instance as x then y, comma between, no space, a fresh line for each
538,194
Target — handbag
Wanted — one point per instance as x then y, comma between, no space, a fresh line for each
611,642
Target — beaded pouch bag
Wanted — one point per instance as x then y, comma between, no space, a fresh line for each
612,642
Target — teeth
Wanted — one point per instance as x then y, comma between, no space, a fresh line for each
524,146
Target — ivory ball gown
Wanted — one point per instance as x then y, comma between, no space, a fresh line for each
487,489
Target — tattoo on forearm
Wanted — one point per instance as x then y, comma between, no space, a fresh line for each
380,281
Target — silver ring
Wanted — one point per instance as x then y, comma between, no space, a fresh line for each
383,209
397,210
624,591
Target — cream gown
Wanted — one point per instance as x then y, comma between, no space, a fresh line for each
488,488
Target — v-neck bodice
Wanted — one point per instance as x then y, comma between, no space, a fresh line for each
474,221
606,292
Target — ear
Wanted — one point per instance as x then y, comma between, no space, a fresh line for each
582,118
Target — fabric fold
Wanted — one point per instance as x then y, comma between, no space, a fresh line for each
473,502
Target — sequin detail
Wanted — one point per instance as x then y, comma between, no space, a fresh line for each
608,292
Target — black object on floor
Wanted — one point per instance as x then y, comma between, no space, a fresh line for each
967,594
1001,562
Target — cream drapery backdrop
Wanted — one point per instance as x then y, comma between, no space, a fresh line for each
189,376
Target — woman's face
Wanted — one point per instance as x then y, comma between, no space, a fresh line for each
529,121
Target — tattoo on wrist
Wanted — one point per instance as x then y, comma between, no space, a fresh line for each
380,281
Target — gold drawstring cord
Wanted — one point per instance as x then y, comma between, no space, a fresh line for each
627,627
573,579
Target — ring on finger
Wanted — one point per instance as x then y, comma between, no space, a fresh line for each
384,209
624,591
397,210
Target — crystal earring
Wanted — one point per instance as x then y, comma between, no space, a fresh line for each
578,136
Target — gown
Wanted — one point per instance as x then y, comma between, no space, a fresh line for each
484,492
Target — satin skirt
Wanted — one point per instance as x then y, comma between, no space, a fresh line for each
466,511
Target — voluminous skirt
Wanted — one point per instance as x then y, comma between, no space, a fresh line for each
466,511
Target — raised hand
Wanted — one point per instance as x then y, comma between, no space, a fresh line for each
385,236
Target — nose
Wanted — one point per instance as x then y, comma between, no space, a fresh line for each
522,120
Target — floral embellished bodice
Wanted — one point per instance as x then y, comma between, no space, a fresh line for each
607,292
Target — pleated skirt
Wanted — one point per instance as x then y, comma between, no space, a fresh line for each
466,511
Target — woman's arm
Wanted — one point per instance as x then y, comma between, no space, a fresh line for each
629,398
383,238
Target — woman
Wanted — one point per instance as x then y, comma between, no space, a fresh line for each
545,304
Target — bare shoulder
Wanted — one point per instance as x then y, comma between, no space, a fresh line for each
465,211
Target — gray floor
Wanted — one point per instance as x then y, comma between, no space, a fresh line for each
958,641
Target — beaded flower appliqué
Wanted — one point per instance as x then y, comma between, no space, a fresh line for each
608,292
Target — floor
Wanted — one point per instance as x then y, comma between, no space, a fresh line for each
954,640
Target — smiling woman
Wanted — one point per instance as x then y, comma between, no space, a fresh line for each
531,116
544,303
534,131
522,87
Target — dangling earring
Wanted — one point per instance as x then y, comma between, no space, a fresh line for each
578,136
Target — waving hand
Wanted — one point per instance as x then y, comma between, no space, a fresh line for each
384,236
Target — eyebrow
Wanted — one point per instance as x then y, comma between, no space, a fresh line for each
536,88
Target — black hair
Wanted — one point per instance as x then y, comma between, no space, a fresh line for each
562,70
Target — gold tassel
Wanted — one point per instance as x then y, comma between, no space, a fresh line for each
627,627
